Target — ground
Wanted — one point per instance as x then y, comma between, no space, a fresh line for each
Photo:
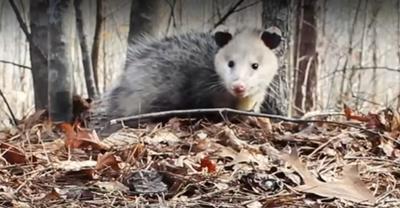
348,160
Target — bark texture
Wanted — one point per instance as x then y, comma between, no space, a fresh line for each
306,57
86,59
278,14
59,66
39,27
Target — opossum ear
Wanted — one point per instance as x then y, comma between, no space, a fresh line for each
222,38
271,40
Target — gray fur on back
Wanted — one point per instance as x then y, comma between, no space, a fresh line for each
172,73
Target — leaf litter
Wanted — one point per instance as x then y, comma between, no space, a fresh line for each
254,162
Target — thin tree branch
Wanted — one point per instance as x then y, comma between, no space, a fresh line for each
247,6
9,108
221,111
24,28
96,41
15,64
224,111
86,59
228,13
362,68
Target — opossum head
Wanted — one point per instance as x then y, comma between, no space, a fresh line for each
245,61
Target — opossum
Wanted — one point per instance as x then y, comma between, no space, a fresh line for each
195,70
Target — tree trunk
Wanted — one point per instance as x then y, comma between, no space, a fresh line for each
306,57
96,41
146,18
374,47
86,59
277,14
398,47
60,67
39,28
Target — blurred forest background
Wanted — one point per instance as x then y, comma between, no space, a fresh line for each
337,51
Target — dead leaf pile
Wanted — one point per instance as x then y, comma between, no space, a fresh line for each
196,163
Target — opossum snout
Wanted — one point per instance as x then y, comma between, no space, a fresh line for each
239,89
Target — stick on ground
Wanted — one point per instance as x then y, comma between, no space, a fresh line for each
9,108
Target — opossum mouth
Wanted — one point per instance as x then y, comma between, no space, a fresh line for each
240,95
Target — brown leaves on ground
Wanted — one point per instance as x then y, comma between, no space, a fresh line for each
196,163
349,187
209,164
108,160
78,137
14,155
385,120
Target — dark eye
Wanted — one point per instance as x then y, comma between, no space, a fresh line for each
254,66
231,64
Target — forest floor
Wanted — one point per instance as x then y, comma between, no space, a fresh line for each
252,162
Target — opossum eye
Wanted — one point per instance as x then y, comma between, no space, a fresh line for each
231,64
254,66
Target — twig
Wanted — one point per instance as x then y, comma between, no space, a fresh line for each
228,13
9,108
247,6
24,28
312,114
225,111
15,64
361,69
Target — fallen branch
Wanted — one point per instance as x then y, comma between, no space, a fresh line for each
15,64
224,111
9,108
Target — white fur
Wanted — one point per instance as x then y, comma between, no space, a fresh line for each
245,49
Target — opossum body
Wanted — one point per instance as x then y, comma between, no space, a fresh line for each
195,70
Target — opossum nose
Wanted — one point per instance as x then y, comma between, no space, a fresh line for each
239,88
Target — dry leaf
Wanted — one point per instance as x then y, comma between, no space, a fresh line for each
162,137
245,157
133,153
387,147
53,195
13,155
82,138
112,186
75,165
254,204
37,117
372,120
228,138
395,124
350,187
262,123
107,160
209,164
201,145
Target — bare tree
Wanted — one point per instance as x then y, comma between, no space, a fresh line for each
398,44
60,68
37,39
278,14
374,47
348,63
145,18
86,59
306,57
96,41
359,59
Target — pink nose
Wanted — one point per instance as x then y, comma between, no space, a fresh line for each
239,88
